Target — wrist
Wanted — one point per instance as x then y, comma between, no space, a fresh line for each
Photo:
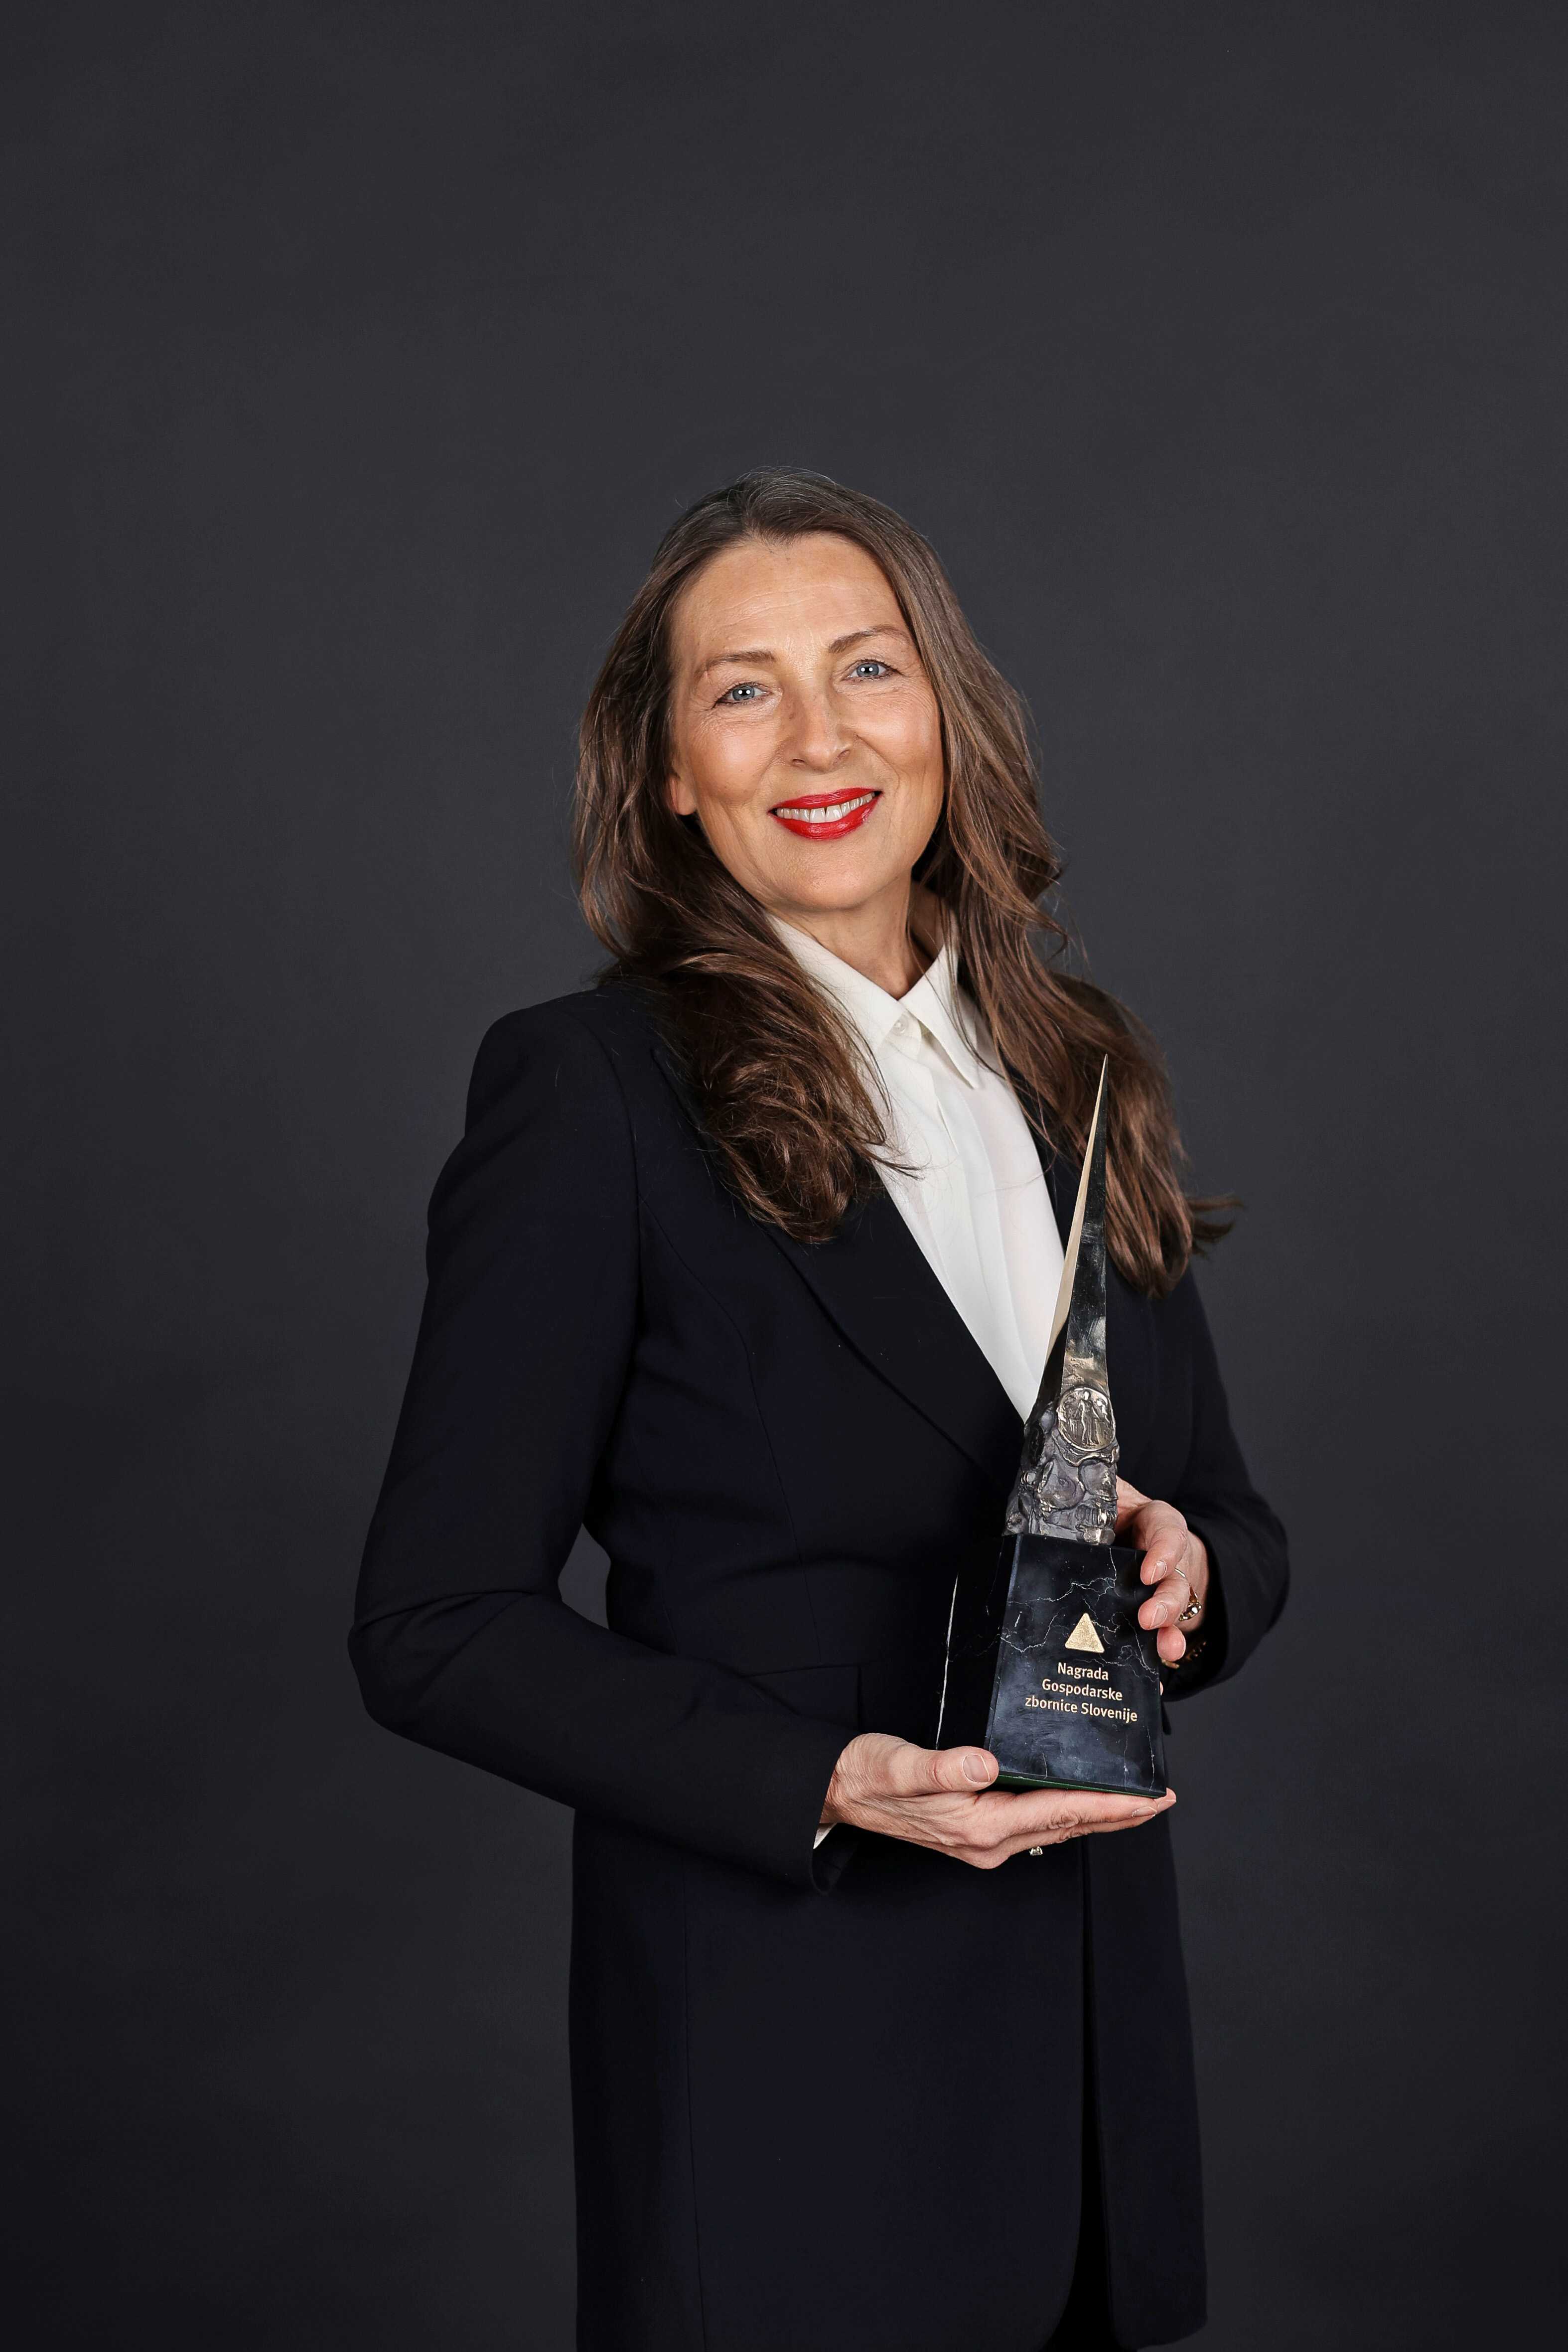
833,1803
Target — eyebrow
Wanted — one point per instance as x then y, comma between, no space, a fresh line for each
841,645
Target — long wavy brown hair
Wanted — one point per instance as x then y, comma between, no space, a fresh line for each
796,1126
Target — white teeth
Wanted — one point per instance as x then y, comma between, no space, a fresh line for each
829,816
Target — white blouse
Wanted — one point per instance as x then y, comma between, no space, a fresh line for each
976,1200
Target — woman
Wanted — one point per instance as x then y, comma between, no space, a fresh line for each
745,1261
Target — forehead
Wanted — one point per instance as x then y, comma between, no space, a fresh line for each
763,592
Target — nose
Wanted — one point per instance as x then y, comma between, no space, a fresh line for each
818,739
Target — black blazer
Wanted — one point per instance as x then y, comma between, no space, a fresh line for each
782,1447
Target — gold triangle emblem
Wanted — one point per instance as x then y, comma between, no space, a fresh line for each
1084,1637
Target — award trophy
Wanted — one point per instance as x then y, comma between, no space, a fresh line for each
1046,1663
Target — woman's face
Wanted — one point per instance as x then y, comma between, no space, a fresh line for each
804,732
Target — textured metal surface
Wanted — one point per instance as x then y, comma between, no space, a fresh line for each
1067,1479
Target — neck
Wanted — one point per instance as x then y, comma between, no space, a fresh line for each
889,940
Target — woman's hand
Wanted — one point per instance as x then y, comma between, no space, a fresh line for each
1176,1563
942,1798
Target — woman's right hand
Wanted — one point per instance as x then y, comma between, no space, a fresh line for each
942,1798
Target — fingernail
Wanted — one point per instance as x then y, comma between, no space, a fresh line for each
976,1769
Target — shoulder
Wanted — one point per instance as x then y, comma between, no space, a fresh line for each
548,1118
580,1047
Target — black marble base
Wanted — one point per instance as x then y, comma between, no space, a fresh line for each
1048,1668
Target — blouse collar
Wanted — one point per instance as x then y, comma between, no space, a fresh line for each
936,1000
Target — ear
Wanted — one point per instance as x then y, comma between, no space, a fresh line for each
680,796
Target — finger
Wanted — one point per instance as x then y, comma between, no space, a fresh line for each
1075,1821
1129,1502
1164,1535
1038,1817
1165,1568
1171,1643
927,1772
1088,1810
1167,1546
1072,1821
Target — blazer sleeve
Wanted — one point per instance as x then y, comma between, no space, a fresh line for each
1250,1564
461,1639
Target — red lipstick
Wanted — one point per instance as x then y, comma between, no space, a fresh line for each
848,809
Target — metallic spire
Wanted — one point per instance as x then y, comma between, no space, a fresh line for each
1067,1479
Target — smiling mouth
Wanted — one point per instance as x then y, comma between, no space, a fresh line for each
825,817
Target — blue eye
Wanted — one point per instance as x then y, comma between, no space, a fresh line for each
866,668
731,694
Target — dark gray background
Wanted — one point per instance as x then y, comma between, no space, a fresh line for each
361,354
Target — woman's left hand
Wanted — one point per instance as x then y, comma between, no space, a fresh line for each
1176,1563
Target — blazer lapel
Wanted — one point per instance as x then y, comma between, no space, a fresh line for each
874,1282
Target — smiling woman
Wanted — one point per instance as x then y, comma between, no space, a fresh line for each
746,1262
798,645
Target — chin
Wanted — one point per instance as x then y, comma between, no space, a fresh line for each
835,886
